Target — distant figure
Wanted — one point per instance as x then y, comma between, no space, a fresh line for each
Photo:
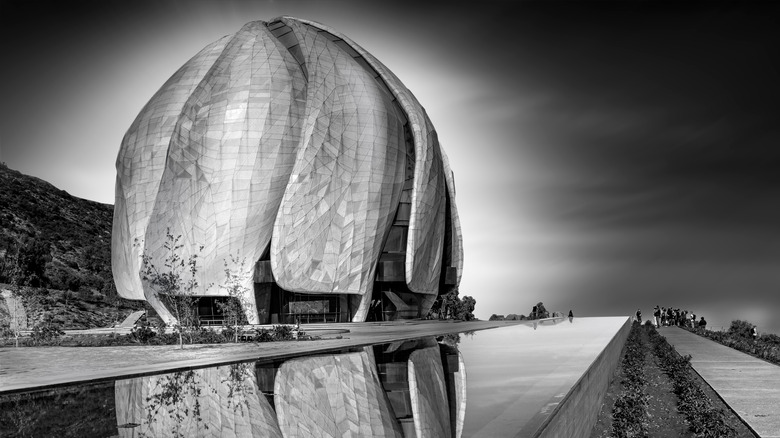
571,314
754,333
657,316
639,315
702,323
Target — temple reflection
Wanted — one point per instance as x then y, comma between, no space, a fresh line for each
412,388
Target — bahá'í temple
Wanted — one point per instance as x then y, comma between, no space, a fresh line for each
289,146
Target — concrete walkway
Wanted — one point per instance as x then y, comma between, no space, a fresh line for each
749,385
28,368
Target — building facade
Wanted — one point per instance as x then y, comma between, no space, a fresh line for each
289,146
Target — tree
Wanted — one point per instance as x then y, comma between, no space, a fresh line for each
235,284
466,308
450,306
175,283
539,312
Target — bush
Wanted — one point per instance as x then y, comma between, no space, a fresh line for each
208,336
143,332
46,333
263,335
629,415
5,330
741,328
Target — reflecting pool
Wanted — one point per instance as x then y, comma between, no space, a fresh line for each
497,382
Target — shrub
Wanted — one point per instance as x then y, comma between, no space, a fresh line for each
142,332
282,333
741,328
629,415
5,330
46,333
208,336
263,335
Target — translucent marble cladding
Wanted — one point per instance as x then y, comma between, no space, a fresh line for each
333,396
216,402
228,159
428,393
426,223
347,179
457,235
140,165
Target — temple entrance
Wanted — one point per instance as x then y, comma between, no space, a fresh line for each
289,307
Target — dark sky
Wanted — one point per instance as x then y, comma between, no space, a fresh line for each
608,156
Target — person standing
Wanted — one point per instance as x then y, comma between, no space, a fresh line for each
657,316
639,315
754,333
702,324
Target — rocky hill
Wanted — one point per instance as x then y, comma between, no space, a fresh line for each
53,241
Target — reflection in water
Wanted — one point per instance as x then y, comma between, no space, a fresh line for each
221,401
406,389
409,388
333,395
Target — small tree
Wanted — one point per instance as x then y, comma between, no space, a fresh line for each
450,306
175,292
466,308
236,304
540,312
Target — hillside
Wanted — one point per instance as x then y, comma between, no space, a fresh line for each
52,240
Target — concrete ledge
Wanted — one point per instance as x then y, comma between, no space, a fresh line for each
577,412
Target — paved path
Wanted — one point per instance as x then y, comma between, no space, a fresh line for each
749,385
40,367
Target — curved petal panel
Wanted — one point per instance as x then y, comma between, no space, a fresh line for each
426,225
457,235
347,178
230,157
140,166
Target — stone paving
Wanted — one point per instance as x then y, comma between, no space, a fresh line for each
750,386
40,367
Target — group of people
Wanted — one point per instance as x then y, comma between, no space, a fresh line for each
667,316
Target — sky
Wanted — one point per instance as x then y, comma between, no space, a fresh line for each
607,156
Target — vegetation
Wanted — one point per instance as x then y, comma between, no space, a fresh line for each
55,256
657,393
705,420
739,337
235,306
538,312
450,306
629,415
60,241
175,283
